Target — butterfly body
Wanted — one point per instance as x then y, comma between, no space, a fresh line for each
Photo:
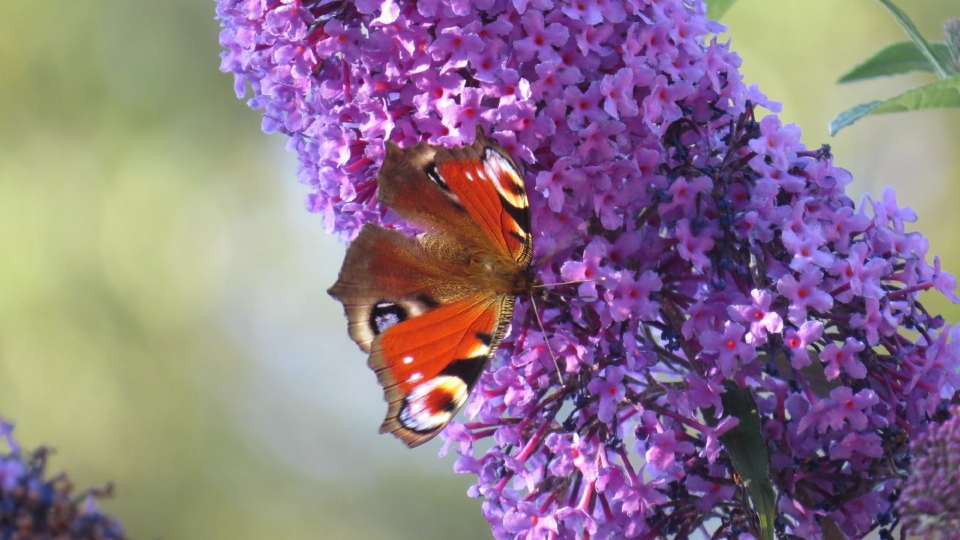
432,309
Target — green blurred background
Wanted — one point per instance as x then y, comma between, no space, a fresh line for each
163,320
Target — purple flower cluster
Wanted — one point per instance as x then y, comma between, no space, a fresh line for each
33,507
713,249
930,503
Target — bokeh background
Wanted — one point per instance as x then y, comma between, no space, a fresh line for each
163,320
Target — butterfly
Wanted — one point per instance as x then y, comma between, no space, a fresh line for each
432,309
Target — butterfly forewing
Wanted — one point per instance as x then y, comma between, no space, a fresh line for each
475,192
432,310
488,183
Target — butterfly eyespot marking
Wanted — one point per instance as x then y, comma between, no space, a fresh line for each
510,190
383,315
432,404
505,179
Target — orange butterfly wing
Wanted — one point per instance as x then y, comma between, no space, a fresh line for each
474,192
433,310
429,364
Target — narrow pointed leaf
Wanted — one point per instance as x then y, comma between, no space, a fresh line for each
895,59
748,452
716,8
935,95
851,115
951,32
915,36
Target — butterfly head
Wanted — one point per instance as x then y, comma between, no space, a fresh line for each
524,282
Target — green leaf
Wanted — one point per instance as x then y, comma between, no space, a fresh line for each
716,8
917,39
951,32
851,115
748,452
895,59
813,373
936,95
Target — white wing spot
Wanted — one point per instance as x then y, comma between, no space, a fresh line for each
407,359
415,378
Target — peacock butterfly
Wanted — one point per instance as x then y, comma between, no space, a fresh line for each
432,310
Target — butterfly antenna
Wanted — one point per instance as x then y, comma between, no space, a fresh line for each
546,285
546,341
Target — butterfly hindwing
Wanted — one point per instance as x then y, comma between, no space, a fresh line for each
429,332
387,277
426,381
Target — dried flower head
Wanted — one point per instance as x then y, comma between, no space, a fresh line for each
930,502
35,507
